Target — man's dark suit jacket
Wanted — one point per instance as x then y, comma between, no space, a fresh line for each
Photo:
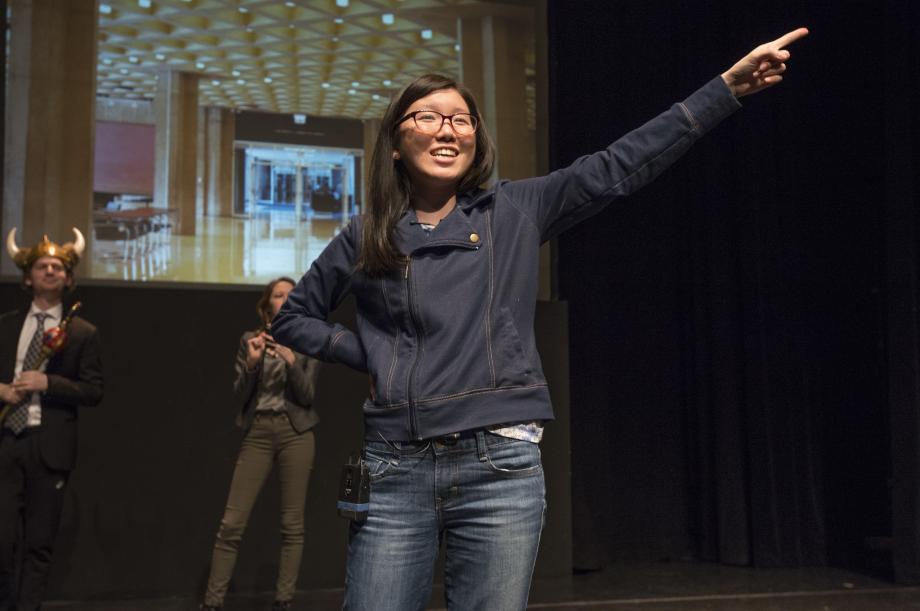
74,379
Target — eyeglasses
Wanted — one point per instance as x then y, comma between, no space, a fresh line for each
431,122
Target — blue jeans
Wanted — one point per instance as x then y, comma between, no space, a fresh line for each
482,493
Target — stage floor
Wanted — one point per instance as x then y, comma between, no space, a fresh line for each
672,586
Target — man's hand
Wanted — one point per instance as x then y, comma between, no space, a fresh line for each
763,67
31,381
9,395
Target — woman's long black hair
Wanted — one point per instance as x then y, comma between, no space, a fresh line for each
389,189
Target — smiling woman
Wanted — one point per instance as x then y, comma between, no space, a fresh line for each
422,168
444,271
436,151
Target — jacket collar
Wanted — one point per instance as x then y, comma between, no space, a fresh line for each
471,199
455,230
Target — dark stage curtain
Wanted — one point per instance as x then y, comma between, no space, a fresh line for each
901,139
744,333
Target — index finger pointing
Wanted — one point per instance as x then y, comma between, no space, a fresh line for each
791,37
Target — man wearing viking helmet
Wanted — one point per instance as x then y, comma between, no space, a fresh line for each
40,397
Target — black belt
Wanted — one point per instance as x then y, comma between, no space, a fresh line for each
447,440
452,438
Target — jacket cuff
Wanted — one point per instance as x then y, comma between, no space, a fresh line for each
710,104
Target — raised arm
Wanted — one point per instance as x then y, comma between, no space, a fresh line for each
567,196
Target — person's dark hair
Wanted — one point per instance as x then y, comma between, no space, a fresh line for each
388,186
263,307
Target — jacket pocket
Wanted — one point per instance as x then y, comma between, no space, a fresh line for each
511,364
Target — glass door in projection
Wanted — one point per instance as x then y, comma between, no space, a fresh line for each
303,182
290,203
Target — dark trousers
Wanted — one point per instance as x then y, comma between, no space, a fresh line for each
31,499
270,441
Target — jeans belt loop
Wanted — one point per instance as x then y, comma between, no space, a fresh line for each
481,445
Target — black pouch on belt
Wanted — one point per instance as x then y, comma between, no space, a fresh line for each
354,490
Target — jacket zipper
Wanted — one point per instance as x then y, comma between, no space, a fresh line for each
413,419
414,318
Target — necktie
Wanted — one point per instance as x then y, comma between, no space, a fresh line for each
19,415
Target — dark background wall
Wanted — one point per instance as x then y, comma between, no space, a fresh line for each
156,456
744,331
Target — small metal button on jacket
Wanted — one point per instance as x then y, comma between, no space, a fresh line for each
474,237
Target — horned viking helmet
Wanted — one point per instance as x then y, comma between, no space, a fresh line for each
69,253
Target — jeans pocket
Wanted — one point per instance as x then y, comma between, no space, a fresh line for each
514,458
379,463
385,459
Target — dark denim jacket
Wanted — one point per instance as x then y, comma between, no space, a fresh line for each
448,340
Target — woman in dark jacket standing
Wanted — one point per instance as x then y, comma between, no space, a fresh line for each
444,272
274,387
